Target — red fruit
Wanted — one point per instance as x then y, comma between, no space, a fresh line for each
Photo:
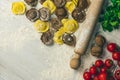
116,55
111,47
87,76
95,78
99,63
102,76
118,63
93,70
108,63
117,74
104,69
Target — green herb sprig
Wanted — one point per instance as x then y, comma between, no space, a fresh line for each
110,19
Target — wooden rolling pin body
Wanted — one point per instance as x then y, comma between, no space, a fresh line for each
88,26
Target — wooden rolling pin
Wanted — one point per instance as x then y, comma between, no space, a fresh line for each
88,26
87,30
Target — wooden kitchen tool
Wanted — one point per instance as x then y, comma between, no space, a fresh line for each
88,27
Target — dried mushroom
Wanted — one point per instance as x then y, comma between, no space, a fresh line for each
55,24
44,14
100,40
47,38
32,14
69,39
61,13
32,3
96,51
59,3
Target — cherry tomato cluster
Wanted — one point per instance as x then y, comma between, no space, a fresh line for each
113,48
100,71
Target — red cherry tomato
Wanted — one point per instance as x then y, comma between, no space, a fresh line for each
93,70
95,78
117,74
118,63
111,47
99,63
104,69
116,55
87,75
102,76
108,63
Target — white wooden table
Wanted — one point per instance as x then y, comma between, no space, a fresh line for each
24,57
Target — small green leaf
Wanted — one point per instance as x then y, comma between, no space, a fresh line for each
105,23
106,26
106,16
114,24
118,2
119,15
113,1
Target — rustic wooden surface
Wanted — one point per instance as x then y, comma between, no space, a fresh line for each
24,57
